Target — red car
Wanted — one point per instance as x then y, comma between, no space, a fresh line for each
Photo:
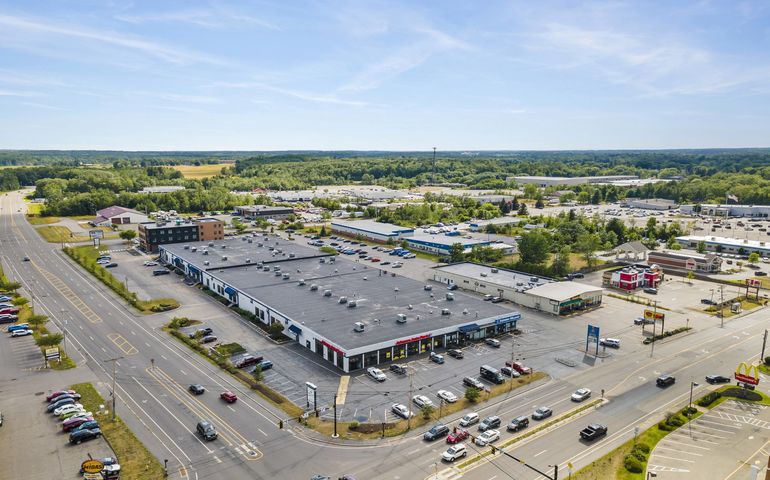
518,366
75,422
57,393
228,396
375,259
457,436
9,311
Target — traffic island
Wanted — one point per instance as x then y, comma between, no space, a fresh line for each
136,462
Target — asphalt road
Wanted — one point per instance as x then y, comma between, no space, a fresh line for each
155,404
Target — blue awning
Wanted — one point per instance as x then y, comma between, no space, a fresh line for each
469,328
193,270
295,330
230,290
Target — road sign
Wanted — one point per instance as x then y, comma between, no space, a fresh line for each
96,233
93,476
592,336
648,314
753,282
92,466
747,373
52,353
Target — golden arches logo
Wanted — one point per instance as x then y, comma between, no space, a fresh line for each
747,373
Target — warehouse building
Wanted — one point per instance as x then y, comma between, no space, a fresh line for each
719,210
649,203
348,314
540,293
562,181
441,244
726,245
371,230
265,212
681,260
154,234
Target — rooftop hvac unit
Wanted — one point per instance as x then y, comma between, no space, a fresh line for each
401,318
205,262
286,276
186,247
483,274
313,287
428,288
299,271
465,311
194,249
248,260
266,268
343,300
291,255
250,241
224,259
205,252
352,304
445,311
270,248
327,293
322,260
277,274
533,279
211,244
301,282
395,289
450,296
224,246
409,307
358,327
259,244
494,270
276,268
365,278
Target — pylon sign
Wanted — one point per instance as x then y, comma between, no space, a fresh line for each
748,374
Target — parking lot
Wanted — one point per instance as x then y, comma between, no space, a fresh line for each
720,443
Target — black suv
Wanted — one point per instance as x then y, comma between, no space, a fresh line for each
518,423
399,369
206,430
197,389
473,382
665,381
437,431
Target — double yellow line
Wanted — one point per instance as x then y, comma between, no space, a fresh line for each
226,431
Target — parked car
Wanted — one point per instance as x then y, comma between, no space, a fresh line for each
196,389
487,437
518,423
446,396
150,263
376,374
541,413
60,403
51,396
160,271
473,382
469,419
87,426
399,369
228,396
610,342
643,321
9,311
713,379
437,431
452,287
401,410
489,422
8,318
492,342
457,436
18,326
201,332
497,299
68,396
455,353
509,372
21,333
436,358
265,365
651,290
581,394
75,413
760,274
209,339
665,381
519,367
422,401
5,298
74,422
454,452
84,435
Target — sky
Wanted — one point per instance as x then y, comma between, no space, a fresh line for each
391,75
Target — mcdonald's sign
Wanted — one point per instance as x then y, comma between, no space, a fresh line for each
648,314
748,374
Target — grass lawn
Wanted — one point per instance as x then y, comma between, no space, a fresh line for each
201,171
59,234
42,220
136,462
34,208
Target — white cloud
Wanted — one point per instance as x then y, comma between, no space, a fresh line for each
214,18
20,93
131,42
299,94
181,98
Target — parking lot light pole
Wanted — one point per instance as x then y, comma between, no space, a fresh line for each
335,417
689,405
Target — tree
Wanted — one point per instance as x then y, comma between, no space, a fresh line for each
323,232
456,253
404,244
539,203
523,209
690,277
701,247
515,204
472,394
19,301
275,330
50,340
560,264
427,410
127,234
37,320
257,374
10,286
534,248
530,190
587,244
753,257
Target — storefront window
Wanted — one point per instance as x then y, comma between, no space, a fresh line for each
399,352
354,362
438,342
386,355
412,348
370,359
424,345
451,338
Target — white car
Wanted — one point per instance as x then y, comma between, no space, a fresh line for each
104,261
68,408
422,401
454,452
447,396
21,333
401,410
581,394
79,415
376,374
487,437
150,263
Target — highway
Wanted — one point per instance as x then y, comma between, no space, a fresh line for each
154,402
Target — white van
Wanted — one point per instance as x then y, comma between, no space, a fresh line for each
469,419
610,342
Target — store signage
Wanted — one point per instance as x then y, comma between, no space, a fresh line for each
747,373
92,466
508,318
413,339
652,314
753,282
332,347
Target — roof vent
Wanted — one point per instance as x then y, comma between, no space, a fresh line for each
428,288
395,289
327,293
259,244
205,262
343,300
417,318
483,274
450,296
358,327
494,270
352,304
445,311
224,259
248,260
211,244
401,318
194,249
205,252
313,287
365,279
224,246
301,282
186,247
465,311
409,307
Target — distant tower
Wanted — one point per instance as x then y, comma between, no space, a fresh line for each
433,181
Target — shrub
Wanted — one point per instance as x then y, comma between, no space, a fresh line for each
709,399
767,361
353,425
663,425
640,451
676,421
472,394
642,447
632,464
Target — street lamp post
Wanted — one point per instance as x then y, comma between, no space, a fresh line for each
689,405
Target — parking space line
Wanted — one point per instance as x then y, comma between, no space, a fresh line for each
686,444
736,427
674,458
679,450
123,344
686,435
700,424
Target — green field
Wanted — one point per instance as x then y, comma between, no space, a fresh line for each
201,171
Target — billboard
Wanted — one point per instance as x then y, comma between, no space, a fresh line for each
753,282
648,314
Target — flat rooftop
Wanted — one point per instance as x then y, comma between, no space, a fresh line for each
734,242
503,277
562,291
380,295
372,226
444,239
238,250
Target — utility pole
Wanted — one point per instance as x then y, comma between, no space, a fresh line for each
409,402
764,343
114,393
721,306
335,417
654,324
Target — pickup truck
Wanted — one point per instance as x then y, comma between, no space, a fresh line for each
593,431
